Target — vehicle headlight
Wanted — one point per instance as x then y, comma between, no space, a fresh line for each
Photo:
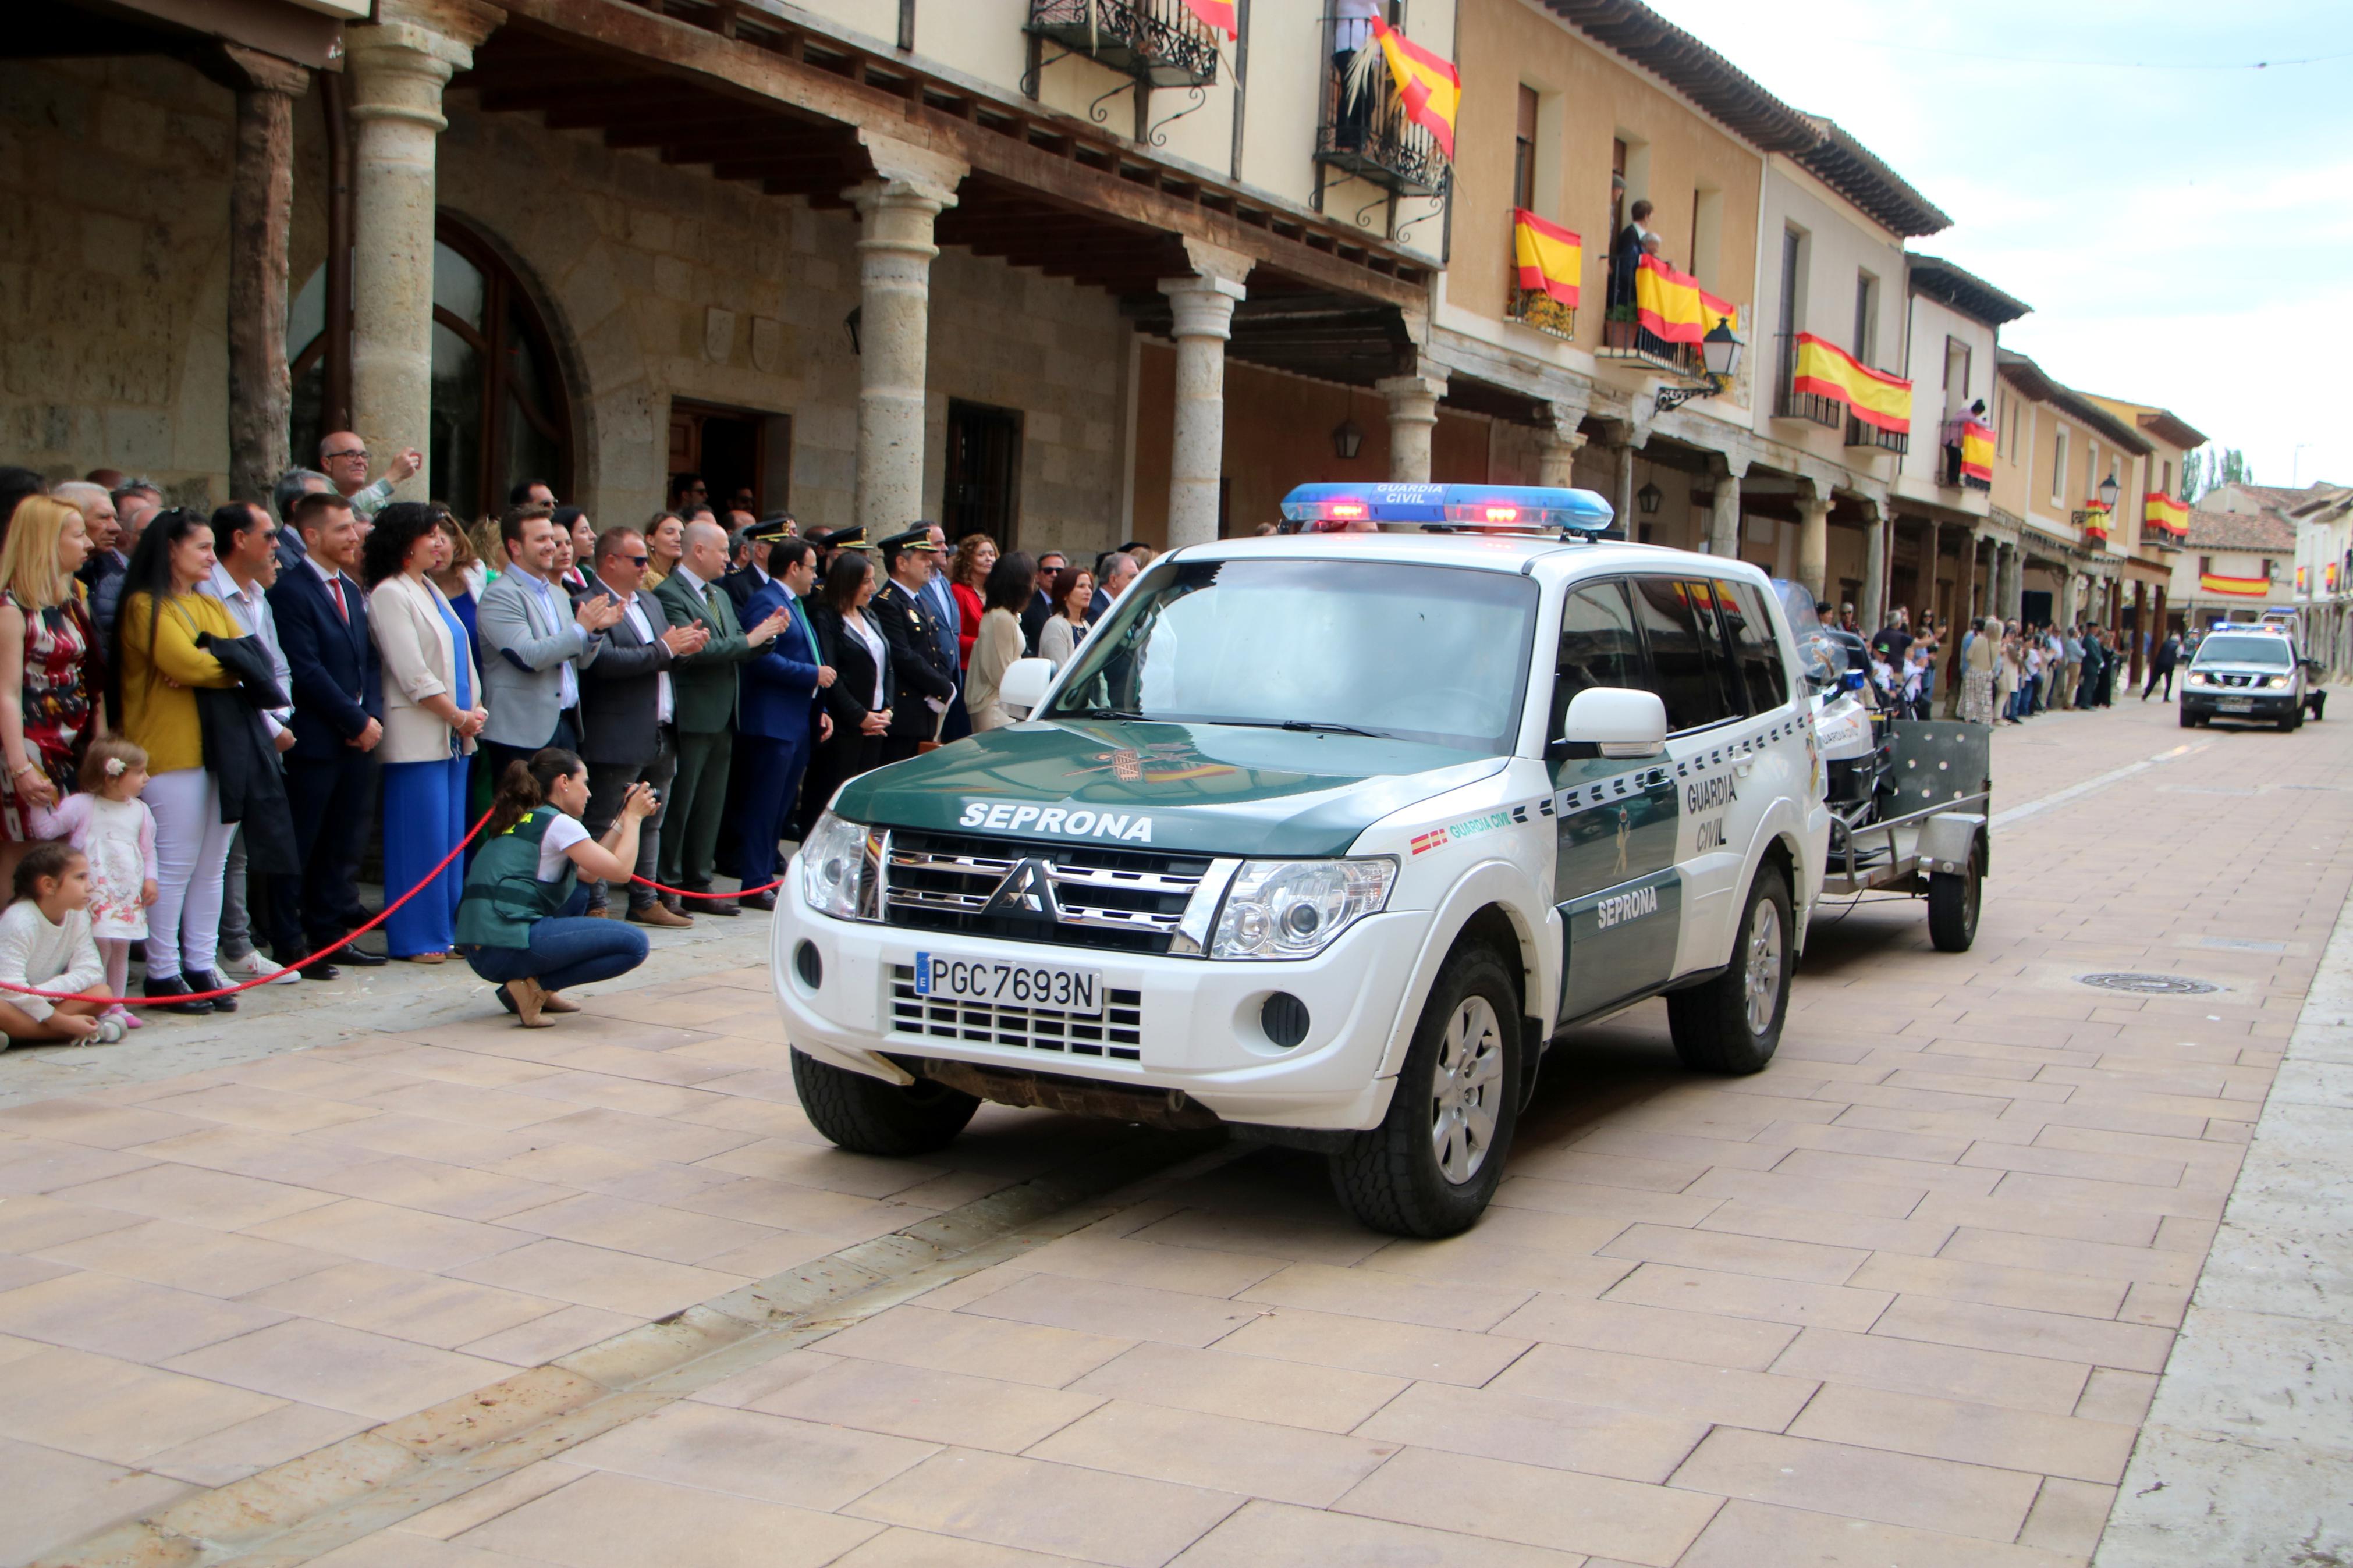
2277,682
2195,678
839,863
1296,909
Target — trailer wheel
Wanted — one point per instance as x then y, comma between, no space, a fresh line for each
1954,899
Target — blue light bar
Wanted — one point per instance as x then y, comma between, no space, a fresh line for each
1505,509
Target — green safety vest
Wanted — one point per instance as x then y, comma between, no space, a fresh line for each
504,896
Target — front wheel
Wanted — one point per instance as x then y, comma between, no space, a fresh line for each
1432,1165
1732,1025
2189,720
868,1116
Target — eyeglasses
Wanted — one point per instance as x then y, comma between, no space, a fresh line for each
359,452
638,561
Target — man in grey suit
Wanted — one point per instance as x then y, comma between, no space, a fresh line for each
536,642
628,718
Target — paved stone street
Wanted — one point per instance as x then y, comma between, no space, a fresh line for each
427,1292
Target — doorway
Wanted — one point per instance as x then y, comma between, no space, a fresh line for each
740,454
983,491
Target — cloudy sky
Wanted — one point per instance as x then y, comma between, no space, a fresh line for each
2181,222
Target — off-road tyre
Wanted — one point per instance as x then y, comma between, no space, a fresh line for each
1711,1023
2189,721
1391,1178
2293,722
867,1116
1954,899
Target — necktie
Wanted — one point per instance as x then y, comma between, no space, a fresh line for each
335,587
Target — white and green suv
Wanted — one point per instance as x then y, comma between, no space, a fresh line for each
1328,837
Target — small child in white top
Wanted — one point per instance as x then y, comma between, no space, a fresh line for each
44,945
112,826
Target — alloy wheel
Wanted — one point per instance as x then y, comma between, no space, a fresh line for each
1466,1090
1764,964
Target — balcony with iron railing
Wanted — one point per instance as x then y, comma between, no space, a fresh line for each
1534,308
1788,403
1159,43
1625,341
1871,438
1366,134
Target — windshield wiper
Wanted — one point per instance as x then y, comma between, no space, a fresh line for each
1102,713
1311,726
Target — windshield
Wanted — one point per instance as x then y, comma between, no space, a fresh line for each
2245,650
1817,650
1420,653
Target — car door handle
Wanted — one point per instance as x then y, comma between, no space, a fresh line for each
1742,769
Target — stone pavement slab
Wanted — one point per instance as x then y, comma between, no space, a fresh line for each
1903,1297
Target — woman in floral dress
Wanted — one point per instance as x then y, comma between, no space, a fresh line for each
49,678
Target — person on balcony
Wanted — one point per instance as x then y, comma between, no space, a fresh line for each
1352,30
1626,254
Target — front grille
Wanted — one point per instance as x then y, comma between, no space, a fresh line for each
1118,1034
1125,901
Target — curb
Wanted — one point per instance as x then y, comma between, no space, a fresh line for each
294,1512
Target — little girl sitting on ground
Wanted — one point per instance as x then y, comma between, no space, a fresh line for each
44,945
112,827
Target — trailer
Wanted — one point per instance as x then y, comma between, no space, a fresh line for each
1935,845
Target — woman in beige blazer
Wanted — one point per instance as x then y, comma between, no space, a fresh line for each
1006,594
432,711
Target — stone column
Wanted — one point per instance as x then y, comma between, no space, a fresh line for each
1724,509
1413,416
260,211
2067,582
1623,499
397,68
2139,630
2014,582
1873,608
1202,311
1814,547
1932,549
896,210
1556,448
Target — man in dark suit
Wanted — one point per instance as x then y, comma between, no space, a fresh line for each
781,722
1042,602
924,677
705,688
322,629
748,579
628,719
1626,256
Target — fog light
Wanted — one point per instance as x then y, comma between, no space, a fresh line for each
807,965
1285,1018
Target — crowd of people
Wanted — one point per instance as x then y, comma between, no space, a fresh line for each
1996,672
209,719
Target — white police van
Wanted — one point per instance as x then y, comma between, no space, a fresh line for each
1329,837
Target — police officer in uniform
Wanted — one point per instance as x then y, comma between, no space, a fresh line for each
925,679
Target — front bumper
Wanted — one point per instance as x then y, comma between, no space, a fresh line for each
2224,702
1196,1027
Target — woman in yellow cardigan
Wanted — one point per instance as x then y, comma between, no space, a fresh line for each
156,667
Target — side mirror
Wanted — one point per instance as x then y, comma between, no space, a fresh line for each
1614,722
1024,684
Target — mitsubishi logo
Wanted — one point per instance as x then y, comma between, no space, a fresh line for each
1027,892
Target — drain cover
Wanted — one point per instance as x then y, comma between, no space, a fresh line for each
2150,984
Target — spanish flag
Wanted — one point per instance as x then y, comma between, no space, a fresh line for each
1672,306
1977,451
2165,514
2095,520
1550,258
1218,15
2234,587
1874,397
1431,88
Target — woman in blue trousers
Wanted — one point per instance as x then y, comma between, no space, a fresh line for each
432,711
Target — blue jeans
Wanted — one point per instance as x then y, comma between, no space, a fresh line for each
566,950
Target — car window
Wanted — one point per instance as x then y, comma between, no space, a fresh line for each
1684,661
1753,650
1598,647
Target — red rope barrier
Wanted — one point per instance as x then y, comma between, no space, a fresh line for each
263,980
738,893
